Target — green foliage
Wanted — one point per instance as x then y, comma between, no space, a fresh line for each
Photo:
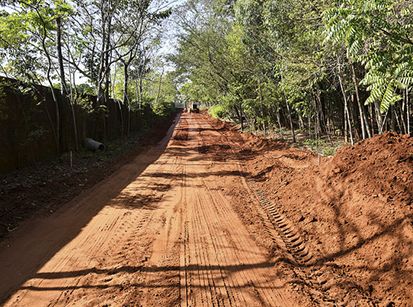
160,93
321,146
217,111
378,34
85,89
271,62
163,108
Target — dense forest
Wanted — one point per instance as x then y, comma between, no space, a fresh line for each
324,68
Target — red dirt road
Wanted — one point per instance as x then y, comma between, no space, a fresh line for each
159,232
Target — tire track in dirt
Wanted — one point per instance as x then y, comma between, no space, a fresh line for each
287,231
242,244
317,277
222,251
219,245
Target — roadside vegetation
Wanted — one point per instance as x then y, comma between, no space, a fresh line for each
324,68
92,54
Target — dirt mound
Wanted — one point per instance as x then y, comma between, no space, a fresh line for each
221,125
387,162
355,210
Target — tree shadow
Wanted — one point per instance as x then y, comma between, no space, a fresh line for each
161,280
350,261
171,175
41,239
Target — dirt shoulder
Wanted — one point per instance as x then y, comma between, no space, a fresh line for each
41,189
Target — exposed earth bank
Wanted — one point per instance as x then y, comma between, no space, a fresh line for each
354,212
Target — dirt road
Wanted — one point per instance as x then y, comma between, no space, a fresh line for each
158,232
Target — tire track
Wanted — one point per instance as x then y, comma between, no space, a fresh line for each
211,239
201,244
226,211
288,232
227,248
252,277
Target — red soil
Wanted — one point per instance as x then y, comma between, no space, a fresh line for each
354,209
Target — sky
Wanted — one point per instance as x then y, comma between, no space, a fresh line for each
169,37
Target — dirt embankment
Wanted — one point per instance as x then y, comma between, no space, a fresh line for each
355,209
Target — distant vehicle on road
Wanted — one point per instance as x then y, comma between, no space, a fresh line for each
193,108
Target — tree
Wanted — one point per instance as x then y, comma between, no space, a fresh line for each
378,35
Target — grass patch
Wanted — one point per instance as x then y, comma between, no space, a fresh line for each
323,147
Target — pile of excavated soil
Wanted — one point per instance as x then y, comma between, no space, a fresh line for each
354,209
386,160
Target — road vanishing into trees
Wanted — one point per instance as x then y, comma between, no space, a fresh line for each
158,232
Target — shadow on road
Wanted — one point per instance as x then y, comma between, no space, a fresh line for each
37,241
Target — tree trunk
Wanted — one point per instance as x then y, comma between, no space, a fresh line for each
402,110
113,78
347,123
141,93
301,122
290,119
125,83
108,58
55,99
122,121
238,112
72,107
262,109
371,115
158,95
63,85
126,95
279,120
408,111
379,120
241,116
363,123
317,125
398,121
99,81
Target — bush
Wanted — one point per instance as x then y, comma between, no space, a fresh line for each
217,111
